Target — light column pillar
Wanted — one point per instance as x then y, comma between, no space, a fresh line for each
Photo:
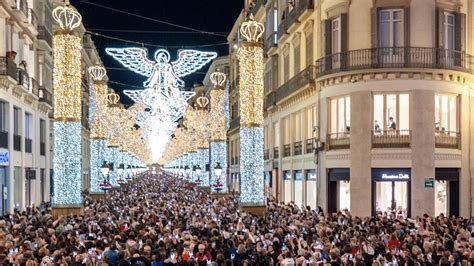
250,54
218,143
67,167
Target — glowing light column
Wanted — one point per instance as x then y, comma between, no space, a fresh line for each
67,47
98,112
218,132
250,55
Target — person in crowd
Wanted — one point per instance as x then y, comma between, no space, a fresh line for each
157,219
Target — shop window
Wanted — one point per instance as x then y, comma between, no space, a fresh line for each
288,186
344,195
311,189
298,188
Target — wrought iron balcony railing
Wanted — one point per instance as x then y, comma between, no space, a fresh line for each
395,57
42,148
338,141
305,77
309,145
8,68
391,139
447,139
4,139
297,148
16,142
276,153
287,150
23,79
266,154
45,96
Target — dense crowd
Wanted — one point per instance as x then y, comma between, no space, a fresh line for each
162,220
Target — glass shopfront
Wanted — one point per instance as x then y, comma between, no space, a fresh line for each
446,191
391,190
339,189
311,188
268,182
298,188
287,186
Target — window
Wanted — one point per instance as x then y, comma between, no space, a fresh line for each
286,65
449,30
16,121
276,134
309,47
391,28
3,116
391,112
336,35
297,127
42,131
28,126
340,114
297,55
446,113
286,131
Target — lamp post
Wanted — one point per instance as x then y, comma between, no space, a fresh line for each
67,45
218,185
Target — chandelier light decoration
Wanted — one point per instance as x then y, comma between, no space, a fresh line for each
250,56
98,114
201,125
67,47
218,132
164,101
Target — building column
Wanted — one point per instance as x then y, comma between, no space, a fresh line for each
361,146
423,150
465,176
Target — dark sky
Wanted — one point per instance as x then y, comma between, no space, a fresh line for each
206,15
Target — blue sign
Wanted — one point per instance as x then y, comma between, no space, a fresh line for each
4,157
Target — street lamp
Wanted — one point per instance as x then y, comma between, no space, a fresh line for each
104,169
198,169
218,170
129,172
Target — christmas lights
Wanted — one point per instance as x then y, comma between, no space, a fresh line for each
218,155
67,164
202,160
250,56
97,149
67,109
217,113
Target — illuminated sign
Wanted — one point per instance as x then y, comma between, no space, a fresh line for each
398,177
4,158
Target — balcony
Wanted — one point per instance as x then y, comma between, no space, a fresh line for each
269,100
45,96
21,6
299,11
338,141
276,153
8,68
257,5
398,57
271,42
28,145
266,154
448,140
234,123
23,79
45,35
16,143
305,77
4,139
309,146
391,139
297,148
42,148
34,87
287,150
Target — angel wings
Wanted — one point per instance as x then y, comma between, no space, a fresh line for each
136,59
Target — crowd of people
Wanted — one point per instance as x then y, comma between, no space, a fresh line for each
163,220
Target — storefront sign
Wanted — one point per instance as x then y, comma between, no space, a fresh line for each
429,182
4,158
396,177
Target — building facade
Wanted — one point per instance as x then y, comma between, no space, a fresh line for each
25,102
368,104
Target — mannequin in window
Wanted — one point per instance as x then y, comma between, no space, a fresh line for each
392,124
377,127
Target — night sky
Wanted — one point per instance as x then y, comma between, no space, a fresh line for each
206,15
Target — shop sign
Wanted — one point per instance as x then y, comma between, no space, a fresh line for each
4,158
429,182
395,177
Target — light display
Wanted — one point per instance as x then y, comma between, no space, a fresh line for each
164,101
218,155
67,47
98,119
202,160
250,56
67,164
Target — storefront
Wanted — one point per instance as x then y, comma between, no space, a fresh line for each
287,186
391,190
446,191
4,162
298,192
311,188
339,189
